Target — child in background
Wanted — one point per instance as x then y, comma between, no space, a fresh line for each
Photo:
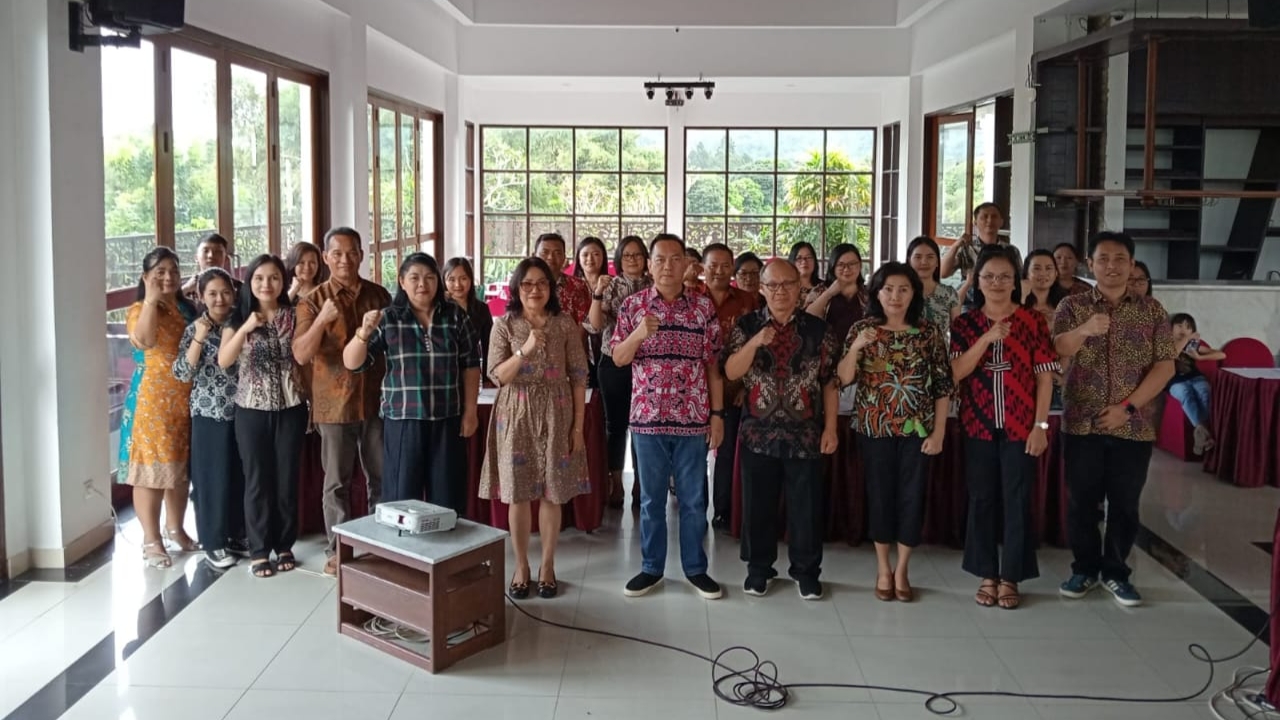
1189,385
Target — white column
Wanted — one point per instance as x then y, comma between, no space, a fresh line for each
455,170
53,368
1022,193
912,187
349,128
675,171
1117,139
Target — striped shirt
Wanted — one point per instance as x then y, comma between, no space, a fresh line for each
424,365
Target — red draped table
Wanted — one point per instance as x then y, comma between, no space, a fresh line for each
946,499
1245,420
584,512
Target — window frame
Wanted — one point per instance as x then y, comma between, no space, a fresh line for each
574,217
935,123
870,218
999,175
225,53
890,184
412,243
469,190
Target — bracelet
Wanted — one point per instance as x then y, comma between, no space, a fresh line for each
597,297
364,340
197,341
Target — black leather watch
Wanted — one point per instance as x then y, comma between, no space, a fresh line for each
1131,408
717,413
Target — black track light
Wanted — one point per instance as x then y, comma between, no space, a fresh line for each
649,93
708,93
671,94
688,93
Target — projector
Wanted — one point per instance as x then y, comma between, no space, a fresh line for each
415,517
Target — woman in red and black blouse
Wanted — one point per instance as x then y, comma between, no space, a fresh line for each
1003,361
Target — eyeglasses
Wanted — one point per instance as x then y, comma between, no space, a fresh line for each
848,265
633,256
788,285
805,258
996,279
531,285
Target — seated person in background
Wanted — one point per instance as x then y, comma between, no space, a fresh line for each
1189,385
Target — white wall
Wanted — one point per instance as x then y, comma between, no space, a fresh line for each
1226,312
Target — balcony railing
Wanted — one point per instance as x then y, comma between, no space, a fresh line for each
125,252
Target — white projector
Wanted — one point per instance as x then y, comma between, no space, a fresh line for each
414,517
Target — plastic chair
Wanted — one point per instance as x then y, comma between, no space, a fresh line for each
1175,434
1247,353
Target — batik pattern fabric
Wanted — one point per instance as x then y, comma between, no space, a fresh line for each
901,376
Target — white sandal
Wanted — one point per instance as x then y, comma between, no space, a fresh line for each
154,555
171,535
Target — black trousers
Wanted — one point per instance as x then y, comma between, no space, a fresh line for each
217,474
1102,468
763,477
270,442
999,474
895,475
615,390
722,478
425,456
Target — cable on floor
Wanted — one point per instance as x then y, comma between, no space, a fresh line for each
756,684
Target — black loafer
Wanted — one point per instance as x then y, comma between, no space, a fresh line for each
518,591
547,590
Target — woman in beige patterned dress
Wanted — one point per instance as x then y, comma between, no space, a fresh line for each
536,449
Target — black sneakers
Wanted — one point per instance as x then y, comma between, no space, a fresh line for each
219,558
810,588
641,584
238,547
706,587
756,586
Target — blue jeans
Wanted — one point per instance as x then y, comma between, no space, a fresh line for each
1193,393
662,457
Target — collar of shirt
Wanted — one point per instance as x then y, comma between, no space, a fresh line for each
767,316
1099,299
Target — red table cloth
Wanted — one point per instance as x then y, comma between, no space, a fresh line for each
585,512
946,499
1244,420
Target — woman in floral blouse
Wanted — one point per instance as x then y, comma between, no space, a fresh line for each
941,303
270,414
215,465
898,363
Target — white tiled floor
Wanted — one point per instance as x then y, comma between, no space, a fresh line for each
248,649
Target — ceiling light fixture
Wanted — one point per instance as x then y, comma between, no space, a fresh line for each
672,90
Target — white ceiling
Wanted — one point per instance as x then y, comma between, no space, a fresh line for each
691,13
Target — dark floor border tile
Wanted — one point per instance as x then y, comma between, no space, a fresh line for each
58,695
1212,588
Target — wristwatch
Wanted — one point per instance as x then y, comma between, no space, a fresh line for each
519,352
1043,425
1131,408
717,413
596,296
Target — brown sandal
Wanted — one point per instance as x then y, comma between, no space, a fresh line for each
1009,600
984,598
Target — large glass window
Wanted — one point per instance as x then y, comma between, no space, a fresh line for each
200,138
406,174
764,190
968,163
606,182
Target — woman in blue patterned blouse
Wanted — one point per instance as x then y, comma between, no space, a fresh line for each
215,466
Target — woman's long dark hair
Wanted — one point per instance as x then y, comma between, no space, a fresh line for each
834,257
467,268
814,277
247,304
1056,291
401,300
604,256
915,311
295,256
515,308
154,257
622,247
996,252
1145,271
932,245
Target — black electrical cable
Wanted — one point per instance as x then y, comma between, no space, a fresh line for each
758,686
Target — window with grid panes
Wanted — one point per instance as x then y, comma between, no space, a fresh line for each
765,189
579,182
406,174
